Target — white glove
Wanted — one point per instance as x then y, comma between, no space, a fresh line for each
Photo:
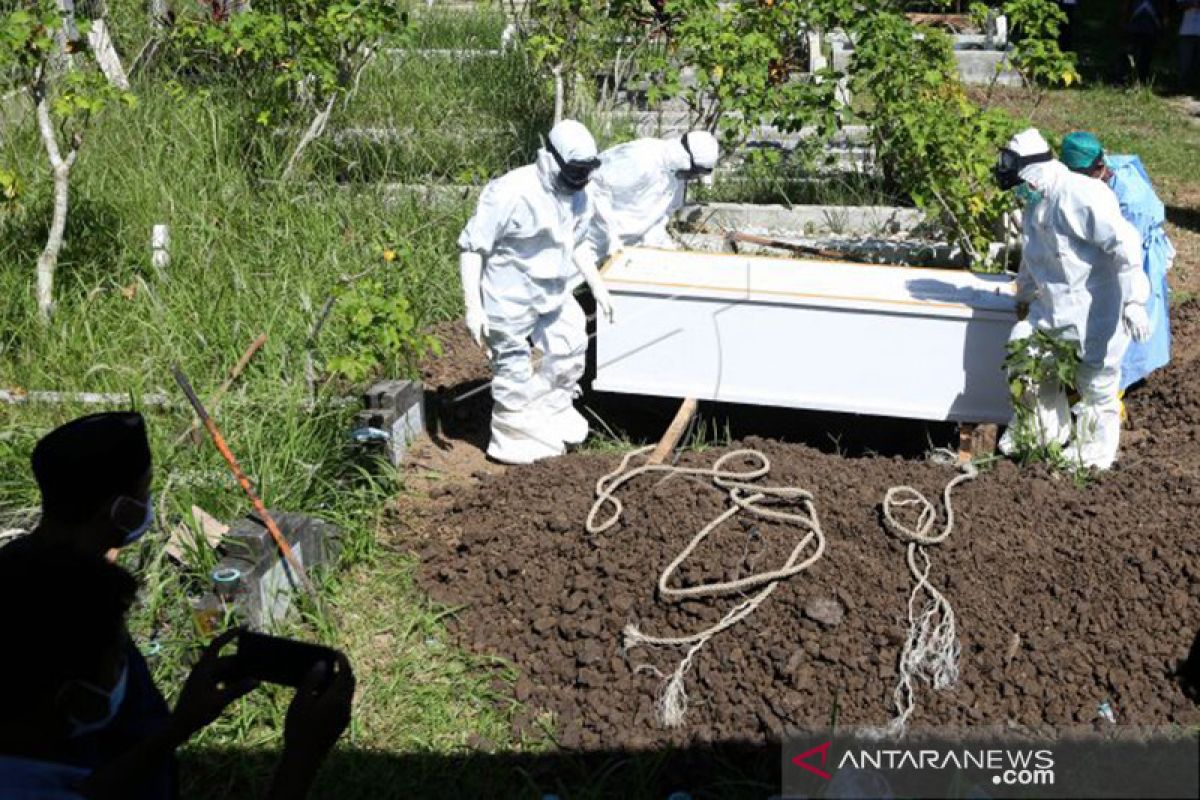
586,263
1023,329
604,303
477,324
1137,321
470,267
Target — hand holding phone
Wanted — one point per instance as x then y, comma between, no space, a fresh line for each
320,711
285,662
214,683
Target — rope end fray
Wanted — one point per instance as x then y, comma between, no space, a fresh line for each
931,649
747,497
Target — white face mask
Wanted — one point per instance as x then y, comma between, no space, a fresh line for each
137,532
114,696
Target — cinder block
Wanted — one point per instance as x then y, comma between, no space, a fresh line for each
253,581
394,414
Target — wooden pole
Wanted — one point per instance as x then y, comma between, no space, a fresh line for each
234,374
687,409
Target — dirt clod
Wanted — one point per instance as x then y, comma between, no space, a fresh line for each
825,610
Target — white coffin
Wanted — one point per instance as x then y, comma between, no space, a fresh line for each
861,338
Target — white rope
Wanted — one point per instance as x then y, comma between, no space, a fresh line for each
931,650
744,497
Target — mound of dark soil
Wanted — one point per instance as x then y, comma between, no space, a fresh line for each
1066,597
461,363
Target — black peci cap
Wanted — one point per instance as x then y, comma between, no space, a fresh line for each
83,463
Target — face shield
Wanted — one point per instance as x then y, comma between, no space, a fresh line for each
1010,165
572,176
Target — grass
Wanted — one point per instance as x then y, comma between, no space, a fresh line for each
250,256
456,121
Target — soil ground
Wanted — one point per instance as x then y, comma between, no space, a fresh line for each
1066,596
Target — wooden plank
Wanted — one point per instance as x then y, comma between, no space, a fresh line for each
687,409
782,244
193,430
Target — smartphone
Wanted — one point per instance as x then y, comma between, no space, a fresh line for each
286,662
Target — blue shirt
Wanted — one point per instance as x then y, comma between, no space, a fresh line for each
143,714
32,779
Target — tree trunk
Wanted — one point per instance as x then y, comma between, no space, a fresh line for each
158,14
106,55
61,167
558,94
54,242
315,129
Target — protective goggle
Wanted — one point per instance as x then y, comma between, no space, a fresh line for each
1010,165
694,169
573,174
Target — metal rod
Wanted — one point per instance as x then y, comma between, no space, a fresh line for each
284,548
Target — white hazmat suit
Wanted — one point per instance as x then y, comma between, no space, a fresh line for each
518,253
1081,276
640,184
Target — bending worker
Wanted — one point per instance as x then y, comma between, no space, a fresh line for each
520,250
1082,153
1081,275
641,183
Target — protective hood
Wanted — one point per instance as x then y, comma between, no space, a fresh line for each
1028,142
573,156
695,153
1023,151
1044,176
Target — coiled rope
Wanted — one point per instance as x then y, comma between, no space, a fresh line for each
931,649
745,497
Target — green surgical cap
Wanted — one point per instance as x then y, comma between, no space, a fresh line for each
1080,150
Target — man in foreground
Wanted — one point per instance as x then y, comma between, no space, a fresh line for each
67,691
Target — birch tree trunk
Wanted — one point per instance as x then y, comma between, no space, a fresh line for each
315,129
158,14
106,55
558,93
61,168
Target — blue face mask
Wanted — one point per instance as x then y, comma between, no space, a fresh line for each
138,531
1026,195
115,697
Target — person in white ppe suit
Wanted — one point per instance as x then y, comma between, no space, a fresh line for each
640,184
1081,277
518,253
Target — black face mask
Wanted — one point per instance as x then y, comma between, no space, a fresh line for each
1009,166
572,175
692,171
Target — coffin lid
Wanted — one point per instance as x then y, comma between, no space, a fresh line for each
810,282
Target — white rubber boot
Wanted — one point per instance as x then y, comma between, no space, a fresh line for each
516,441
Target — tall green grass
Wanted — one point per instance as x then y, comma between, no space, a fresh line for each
251,256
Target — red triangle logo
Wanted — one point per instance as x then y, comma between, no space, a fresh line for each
802,760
